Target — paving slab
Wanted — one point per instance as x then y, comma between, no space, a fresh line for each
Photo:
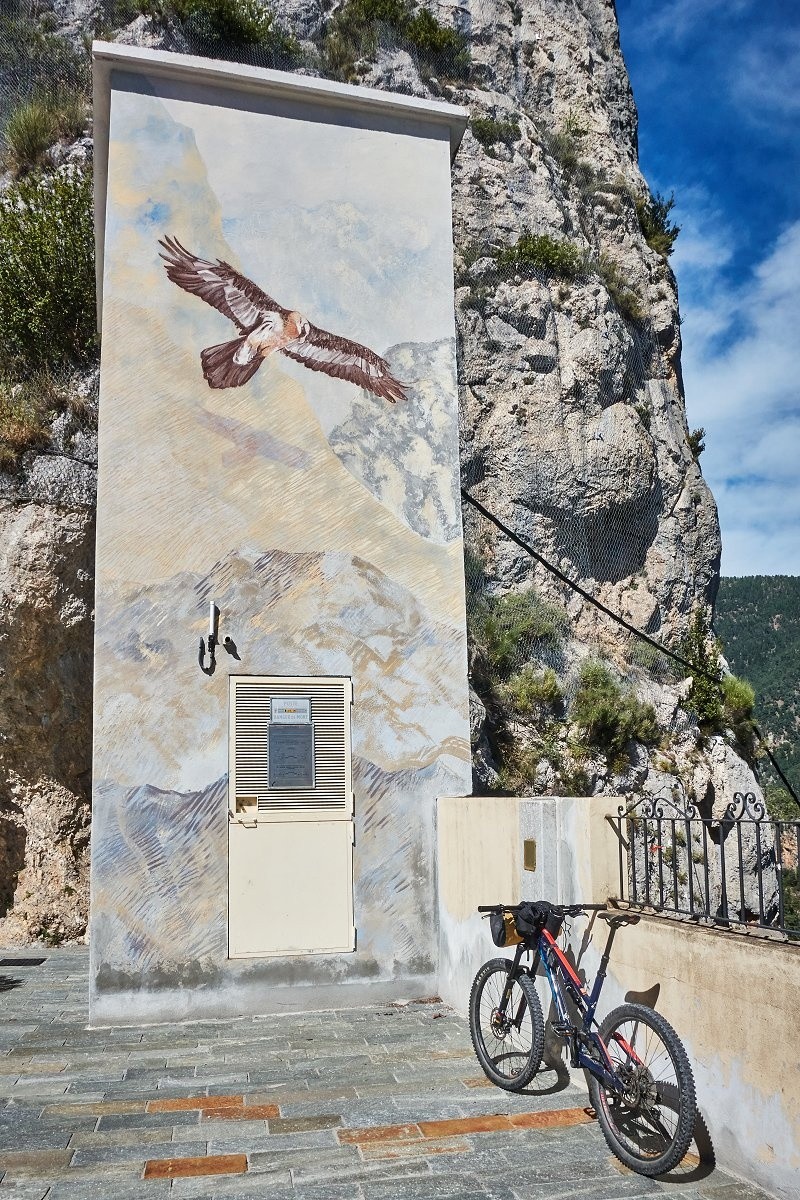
383,1103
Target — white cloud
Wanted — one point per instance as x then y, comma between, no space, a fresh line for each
765,78
676,19
742,372
703,250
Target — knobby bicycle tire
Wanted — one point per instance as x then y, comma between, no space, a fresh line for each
509,1051
649,1127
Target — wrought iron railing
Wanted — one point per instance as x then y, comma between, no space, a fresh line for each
738,869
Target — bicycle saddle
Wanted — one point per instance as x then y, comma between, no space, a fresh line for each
620,918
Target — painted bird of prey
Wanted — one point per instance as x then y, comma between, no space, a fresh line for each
266,327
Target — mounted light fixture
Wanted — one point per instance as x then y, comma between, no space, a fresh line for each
210,644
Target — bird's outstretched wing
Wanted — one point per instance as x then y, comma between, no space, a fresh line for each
236,296
338,356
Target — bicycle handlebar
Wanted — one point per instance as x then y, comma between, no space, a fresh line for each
564,910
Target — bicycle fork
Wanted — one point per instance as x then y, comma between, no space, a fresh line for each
505,999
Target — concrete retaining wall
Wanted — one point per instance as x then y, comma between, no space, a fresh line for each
733,999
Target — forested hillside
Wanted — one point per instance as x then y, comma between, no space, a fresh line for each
758,623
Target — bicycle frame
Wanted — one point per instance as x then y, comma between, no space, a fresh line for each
562,978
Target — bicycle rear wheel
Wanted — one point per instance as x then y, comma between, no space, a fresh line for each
650,1123
509,1045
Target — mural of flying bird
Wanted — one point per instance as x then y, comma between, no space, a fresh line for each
265,326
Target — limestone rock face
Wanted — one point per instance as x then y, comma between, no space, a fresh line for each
575,431
46,607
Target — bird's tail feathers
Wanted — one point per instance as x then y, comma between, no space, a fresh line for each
220,369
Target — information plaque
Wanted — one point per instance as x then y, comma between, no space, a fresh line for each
291,756
291,710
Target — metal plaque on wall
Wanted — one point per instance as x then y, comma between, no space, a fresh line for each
291,756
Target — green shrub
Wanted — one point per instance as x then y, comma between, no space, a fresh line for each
466,257
562,259
780,804
47,283
701,649
542,253
72,112
790,882
738,699
530,690
517,770
697,442
653,213
339,58
437,43
608,717
508,627
474,570
489,132
360,26
213,26
114,14
28,404
589,181
478,298
574,781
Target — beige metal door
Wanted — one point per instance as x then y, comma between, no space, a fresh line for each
290,845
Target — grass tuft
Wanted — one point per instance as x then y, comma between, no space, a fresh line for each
489,132
508,628
531,690
30,131
37,123
27,407
609,717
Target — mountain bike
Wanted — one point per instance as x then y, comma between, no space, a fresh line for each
640,1081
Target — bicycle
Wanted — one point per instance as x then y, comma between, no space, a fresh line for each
640,1081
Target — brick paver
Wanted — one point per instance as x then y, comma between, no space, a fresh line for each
386,1103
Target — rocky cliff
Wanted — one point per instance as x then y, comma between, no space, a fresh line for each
573,433
46,603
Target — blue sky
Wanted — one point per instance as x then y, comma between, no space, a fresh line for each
717,85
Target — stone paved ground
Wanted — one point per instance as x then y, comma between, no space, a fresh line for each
368,1104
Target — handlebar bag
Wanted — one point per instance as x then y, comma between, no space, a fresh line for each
532,916
503,929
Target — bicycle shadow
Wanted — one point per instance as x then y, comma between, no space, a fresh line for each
699,1160
8,983
553,1075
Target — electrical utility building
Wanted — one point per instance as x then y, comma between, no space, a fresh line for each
280,664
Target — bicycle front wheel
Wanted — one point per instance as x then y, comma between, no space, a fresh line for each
649,1122
509,1044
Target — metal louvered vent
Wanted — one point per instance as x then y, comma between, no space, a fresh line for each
326,785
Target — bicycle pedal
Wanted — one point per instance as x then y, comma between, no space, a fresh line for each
562,1028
